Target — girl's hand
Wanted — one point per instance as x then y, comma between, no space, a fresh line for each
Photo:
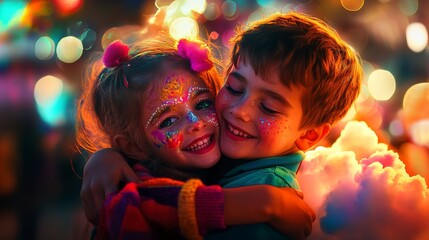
101,176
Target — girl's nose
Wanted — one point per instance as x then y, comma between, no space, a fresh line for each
194,122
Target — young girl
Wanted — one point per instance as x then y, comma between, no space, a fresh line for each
155,103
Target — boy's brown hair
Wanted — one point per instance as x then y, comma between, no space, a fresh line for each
307,53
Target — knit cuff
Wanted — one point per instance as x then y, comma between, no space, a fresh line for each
186,210
209,205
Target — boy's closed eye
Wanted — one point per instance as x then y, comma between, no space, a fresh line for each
267,109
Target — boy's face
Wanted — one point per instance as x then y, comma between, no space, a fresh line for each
258,118
181,123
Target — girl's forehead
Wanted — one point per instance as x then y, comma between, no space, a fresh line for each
174,84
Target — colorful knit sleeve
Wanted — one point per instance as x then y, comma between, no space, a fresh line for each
200,209
151,209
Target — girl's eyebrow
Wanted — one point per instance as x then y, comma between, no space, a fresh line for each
167,105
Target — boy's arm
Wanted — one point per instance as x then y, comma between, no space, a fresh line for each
283,208
101,176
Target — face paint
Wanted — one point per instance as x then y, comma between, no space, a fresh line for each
190,116
173,94
170,140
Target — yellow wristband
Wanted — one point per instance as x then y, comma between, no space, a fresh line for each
186,210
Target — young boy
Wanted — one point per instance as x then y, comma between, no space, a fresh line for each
290,77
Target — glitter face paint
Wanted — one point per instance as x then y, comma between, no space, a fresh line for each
180,122
172,94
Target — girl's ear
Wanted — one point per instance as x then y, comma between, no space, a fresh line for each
312,136
129,148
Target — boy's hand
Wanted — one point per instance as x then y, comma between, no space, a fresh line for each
300,217
101,176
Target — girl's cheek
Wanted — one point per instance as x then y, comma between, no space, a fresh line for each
211,118
167,140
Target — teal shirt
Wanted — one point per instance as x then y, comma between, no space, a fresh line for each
276,171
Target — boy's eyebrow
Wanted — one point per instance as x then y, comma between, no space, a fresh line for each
274,95
167,105
238,76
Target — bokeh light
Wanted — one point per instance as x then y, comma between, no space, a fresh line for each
408,7
212,11
417,37
69,49
44,48
352,5
229,8
381,85
416,103
184,27
11,13
193,5
67,7
51,97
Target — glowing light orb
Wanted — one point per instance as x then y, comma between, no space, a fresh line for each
44,48
183,27
419,132
47,90
214,35
69,49
381,85
193,5
417,37
408,7
51,100
396,128
212,11
416,102
352,5
229,8
67,7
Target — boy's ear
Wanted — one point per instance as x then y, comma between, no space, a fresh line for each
312,136
128,148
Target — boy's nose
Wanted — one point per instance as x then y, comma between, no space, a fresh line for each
241,110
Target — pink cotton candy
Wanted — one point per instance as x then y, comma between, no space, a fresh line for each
196,53
115,54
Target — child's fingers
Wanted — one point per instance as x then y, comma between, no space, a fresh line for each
130,175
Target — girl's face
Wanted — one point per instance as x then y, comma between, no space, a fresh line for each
181,123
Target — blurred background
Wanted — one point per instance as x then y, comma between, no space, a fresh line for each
45,44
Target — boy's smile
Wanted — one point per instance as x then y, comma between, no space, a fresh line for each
258,117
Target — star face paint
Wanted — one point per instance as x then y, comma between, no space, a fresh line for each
180,122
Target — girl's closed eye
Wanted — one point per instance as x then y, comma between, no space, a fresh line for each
168,122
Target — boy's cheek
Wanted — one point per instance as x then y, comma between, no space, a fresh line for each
271,127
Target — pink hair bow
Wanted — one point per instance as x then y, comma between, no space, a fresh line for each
197,54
